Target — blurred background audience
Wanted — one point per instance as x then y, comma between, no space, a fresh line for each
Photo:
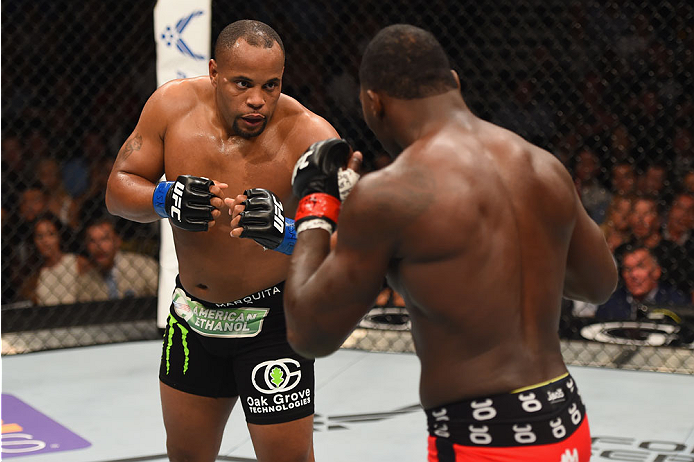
608,89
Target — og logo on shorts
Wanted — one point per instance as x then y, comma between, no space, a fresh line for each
276,376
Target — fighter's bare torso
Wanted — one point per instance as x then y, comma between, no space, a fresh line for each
480,205
212,265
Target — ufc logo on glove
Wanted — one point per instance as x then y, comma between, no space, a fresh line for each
176,197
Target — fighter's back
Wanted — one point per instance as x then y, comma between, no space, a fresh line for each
482,262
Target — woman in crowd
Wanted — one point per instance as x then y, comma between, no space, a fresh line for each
55,281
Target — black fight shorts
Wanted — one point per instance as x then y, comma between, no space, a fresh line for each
544,423
238,348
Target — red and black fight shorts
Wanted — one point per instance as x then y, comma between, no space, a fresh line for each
546,423
239,348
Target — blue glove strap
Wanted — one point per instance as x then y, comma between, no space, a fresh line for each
159,198
287,245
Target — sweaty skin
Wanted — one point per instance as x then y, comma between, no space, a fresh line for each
480,231
182,131
236,128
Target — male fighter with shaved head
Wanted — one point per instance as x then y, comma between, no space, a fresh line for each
481,232
226,335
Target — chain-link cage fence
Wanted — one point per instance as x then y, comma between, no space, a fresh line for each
606,86
75,76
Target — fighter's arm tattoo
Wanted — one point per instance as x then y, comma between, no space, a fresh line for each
133,144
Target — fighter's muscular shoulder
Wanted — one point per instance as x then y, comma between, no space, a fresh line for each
531,172
300,127
177,98
388,203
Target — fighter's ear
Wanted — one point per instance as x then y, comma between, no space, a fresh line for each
213,72
375,103
456,77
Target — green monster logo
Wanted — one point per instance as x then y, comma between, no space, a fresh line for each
277,376
169,344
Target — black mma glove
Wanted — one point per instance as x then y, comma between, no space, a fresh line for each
185,201
315,182
263,221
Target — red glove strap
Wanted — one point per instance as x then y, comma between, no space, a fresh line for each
319,205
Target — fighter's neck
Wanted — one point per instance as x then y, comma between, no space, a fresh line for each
415,119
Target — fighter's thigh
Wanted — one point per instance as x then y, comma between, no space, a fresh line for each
275,385
197,391
284,442
194,424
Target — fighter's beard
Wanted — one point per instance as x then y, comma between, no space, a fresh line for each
245,133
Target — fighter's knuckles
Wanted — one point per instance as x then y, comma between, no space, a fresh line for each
238,211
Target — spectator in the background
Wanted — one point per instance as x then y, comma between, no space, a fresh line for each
679,229
654,182
91,206
114,273
60,203
594,195
19,256
680,220
642,286
54,281
623,178
646,223
32,203
616,225
617,232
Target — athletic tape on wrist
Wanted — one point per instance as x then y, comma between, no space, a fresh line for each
287,244
319,205
159,198
314,223
346,180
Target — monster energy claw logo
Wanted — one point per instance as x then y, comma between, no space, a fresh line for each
276,376
169,344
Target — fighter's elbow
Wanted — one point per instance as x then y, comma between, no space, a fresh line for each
608,286
596,291
112,195
110,202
